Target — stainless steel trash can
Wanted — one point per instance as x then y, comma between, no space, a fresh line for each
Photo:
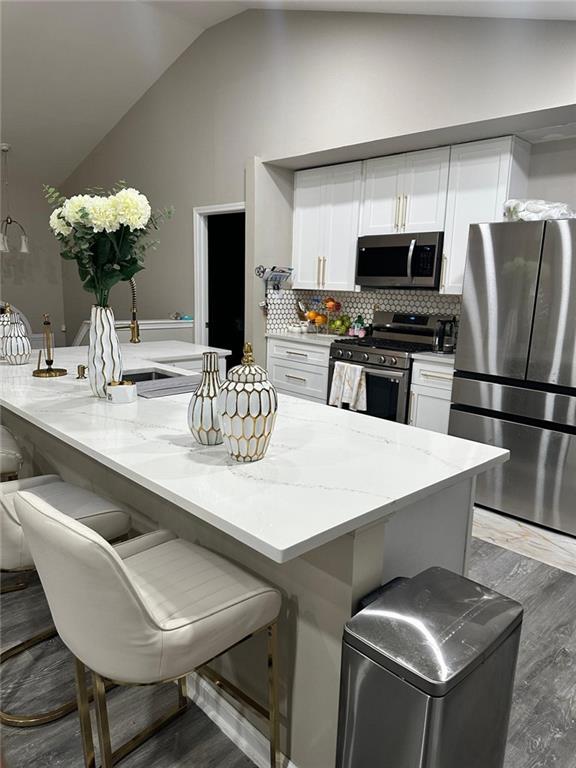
427,676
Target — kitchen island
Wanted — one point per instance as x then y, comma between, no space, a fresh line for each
341,503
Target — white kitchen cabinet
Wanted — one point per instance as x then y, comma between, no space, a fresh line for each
326,210
308,235
430,395
381,195
298,369
405,193
483,175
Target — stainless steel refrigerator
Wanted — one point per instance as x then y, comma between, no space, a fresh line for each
515,381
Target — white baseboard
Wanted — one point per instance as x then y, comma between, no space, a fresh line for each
234,725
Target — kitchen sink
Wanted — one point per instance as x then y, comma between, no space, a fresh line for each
151,375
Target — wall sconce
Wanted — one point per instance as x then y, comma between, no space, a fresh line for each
8,221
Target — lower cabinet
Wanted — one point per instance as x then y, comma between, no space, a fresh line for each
431,395
298,369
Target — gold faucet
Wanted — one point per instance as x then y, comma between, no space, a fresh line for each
134,327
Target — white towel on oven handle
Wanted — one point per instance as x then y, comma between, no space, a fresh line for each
348,386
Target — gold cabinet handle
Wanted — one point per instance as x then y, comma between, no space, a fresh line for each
404,209
299,354
296,378
318,271
411,409
323,272
397,212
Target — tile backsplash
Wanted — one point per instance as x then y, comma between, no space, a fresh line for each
282,304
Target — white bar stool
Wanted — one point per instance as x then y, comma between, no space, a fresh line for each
75,503
150,610
10,455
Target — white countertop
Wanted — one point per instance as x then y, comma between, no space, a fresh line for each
435,357
327,471
321,339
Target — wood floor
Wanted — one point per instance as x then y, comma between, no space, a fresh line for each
542,728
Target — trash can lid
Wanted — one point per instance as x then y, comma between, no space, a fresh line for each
434,629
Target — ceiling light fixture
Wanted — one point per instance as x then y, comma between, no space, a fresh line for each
8,221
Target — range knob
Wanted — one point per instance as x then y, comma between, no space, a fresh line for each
339,353
382,360
365,356
393,361
348,355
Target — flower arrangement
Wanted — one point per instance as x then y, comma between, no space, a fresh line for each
106,233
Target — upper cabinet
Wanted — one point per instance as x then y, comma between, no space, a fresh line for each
405,193
483,175
326,210
435,190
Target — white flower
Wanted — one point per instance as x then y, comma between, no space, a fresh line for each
59,226
102,214
73,208
133,209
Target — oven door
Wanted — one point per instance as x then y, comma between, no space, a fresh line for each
386,392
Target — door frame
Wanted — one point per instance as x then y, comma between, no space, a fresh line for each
200,225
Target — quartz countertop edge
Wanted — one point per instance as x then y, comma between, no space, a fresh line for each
320,340
327,473
278,555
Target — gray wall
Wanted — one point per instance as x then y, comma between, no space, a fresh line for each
274,84
553,171
32,282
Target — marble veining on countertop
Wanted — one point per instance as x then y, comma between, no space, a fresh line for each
327,472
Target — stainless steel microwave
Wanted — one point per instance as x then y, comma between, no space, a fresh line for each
400,261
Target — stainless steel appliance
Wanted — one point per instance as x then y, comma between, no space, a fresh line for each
427,676
515,381
400,261
386,358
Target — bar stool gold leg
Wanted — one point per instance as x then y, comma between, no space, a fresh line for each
273,714
25,721
102,720
83,699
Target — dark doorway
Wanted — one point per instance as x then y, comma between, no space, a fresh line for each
226,283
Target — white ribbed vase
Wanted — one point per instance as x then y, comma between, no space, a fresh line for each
104,357
203,418
16,346
247,405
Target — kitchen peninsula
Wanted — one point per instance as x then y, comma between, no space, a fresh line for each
340,504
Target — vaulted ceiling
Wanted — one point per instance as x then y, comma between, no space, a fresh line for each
71,70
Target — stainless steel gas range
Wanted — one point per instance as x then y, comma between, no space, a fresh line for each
386,356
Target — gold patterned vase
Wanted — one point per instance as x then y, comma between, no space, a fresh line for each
247,405
104,357
203,418
16,344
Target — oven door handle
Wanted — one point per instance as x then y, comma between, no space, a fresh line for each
410,256
386,374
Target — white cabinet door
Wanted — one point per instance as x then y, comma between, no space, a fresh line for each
342,210
382,195
429,409
424,190
483,175
308,227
